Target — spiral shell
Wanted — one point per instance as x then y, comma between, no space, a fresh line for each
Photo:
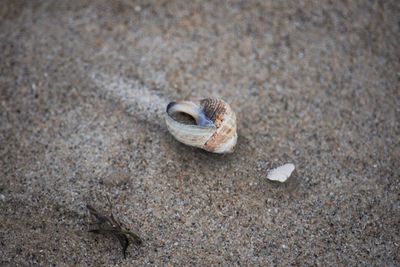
214,128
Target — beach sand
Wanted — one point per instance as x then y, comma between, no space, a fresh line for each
84,86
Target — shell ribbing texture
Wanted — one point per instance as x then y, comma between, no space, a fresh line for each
214,109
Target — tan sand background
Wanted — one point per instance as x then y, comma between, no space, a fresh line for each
84,86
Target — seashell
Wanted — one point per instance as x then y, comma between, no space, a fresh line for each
212,124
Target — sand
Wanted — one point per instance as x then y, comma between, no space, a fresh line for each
84,86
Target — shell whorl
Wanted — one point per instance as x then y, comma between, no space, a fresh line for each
215,128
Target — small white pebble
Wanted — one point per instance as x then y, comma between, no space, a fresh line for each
284,246
281,173
138,8
2,197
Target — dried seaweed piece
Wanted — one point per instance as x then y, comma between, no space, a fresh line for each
110,226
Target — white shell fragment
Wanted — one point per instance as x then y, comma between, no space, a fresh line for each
282,173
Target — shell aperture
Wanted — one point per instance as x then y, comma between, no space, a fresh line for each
190,108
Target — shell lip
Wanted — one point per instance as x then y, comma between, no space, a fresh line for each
170,105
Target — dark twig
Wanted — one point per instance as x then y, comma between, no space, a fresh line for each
110,226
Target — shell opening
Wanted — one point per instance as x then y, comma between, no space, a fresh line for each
188,108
